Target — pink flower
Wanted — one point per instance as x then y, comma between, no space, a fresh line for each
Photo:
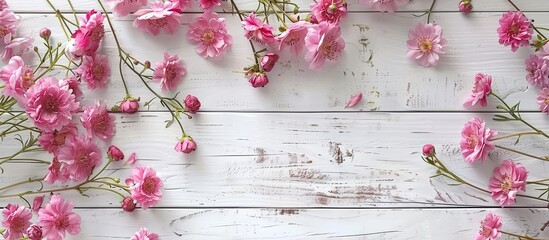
57,218
428,150
489,228
181,5
354,100
192,104
481,90
268,61
145,186
161,16
132,159
514,29
537,70
323,43
329,10
74,85
18,78
385,5
98,121
293,37
50,104
185,145
16,47
3,5
130,105
256,30
543,100
209,4
128,204
95,71
56,172
52,140
16,221
475,140
425,44
88,37
8,24
34,232
465,6
544,52
258,79
37,203
143,234
210,32
114,153
169,72
507,180
79,157
122,8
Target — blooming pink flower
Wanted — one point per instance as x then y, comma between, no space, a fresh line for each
507,180
16,221
489,228
57,218
258,79
79,157
161,16
425,44
16,47
122,8
428,150
209,4
323,43
465,6
145,186
114,153
132,159
130,105
95,71
74,85
185,145
143,234
475,140
329,10
256,30
385,5
481,90
34,232
50,104
192,104
268,61
98,121
514,29
543,100
56,172
354,100
293,37
88,37
37,203
3,5
52,140
169,72
8,24
210,32
128,204
18,78
537,70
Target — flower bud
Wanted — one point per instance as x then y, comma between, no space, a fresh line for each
268,61
128,204
428,150
192,104
465,6
34,232
258,79
147,64
45,33
130,105
185,145
37,203
114,153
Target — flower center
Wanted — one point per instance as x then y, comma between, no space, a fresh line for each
50,104
27,78
17,225
59,137
61,223
170,72
329,48
425,45
506,184
208,36
83,160
98,72
97,33
291,40
514,29
149,185
99,123
485,231
472,141
3,31
158,22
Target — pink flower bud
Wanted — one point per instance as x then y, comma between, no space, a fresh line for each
428,150
37,203
268,61
114,153
147,64
465,6
45,33
192,104
34,232
258,79
128,204
185,145
130,105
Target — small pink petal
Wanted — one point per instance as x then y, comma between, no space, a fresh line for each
354,100
131,159
37,203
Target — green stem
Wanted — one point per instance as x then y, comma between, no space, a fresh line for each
242,19
104,189
515,135
430,11
522,153
521,237
282,11
30,180
508,110
51,66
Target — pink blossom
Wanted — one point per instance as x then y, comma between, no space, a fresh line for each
52,140
79,157
132,159
329,10
74,85
161,16
181,5
293,37
37,203
268,61
16,221
98,121
145,186
95,71
465,6
3,5
543,100
210,32
514,29
50,104
507,180
258,79
489,228
169,72
88,37
143,234
130,105
8,24
18,78
385,5
114,153
537,71
16,47
192,104
256,30
425,44
544,52
476,140
323,43
122,8
185,145
34,232
354,100
428,150
128,204
56,172
209,4
57,218
481,90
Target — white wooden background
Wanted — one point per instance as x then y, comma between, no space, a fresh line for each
264,166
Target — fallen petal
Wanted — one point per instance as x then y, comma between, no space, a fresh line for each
354,100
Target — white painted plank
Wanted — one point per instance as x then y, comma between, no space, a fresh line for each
390,83
285,160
